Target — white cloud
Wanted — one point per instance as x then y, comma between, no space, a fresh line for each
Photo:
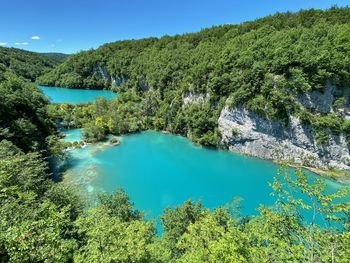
3,43
35,37
21,43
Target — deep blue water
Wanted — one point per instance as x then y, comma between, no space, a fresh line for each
65,95
160,170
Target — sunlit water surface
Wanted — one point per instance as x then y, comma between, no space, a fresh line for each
160,170
65,95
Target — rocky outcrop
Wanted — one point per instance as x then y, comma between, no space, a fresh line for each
320,100
194,97
251,134
102,72
118,80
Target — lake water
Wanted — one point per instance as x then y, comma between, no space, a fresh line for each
161,170
65,95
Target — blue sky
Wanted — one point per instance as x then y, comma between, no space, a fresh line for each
72,25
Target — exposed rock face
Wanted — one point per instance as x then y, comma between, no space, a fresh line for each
118,80
319,100
249,133
193,97
102,72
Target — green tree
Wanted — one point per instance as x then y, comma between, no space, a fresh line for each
93,132
107,239
119,205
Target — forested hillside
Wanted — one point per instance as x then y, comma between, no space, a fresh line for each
26,64
58,57
222,60
292,64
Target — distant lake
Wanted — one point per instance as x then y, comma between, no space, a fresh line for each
65,95
162,170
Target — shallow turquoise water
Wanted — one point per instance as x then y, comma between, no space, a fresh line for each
73,135
161,170
65,95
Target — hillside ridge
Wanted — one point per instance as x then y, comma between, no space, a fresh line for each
277,67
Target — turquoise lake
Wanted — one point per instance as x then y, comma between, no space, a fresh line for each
161,170
65,95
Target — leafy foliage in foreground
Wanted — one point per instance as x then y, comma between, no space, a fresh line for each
23,113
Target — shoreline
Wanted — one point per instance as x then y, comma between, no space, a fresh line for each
342,177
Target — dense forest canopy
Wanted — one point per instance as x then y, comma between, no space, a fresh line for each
26,64
58,57
23,116
279,45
